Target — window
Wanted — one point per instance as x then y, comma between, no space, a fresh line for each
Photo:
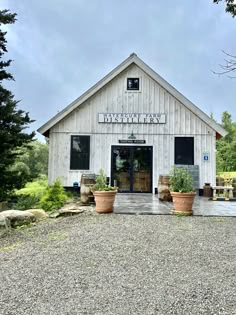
79,155
184,150
133,84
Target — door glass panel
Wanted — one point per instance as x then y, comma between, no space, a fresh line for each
121,168
132,168
142,168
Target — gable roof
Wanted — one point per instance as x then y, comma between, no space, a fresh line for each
133,58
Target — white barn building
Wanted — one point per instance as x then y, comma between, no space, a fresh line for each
135,126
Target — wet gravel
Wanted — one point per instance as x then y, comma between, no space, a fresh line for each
120,264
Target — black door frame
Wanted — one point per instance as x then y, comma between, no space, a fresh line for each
131,169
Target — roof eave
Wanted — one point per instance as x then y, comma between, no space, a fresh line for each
184,100
133,58
95,88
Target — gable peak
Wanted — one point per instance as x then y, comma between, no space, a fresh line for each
133,55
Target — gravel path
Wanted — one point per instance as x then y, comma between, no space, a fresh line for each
120,264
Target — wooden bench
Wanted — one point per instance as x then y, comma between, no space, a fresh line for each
228,192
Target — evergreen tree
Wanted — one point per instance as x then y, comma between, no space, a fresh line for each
230,6
13,121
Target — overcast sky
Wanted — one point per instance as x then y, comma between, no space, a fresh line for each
61,48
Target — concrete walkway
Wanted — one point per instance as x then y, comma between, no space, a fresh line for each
150,204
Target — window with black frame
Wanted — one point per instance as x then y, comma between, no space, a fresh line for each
184,150
132,84
80,152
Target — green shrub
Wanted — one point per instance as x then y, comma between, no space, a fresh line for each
29,196
54,197
25,202
35,188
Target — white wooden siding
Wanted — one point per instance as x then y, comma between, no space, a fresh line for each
114,98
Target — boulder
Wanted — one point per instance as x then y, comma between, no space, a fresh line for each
72,209
4,223
67,212
17,217
39,214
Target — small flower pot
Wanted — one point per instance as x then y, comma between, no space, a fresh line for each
104,201
183,202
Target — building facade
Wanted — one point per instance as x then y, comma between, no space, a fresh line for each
135,126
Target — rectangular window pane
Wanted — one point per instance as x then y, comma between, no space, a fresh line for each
184,150
133,84
80,149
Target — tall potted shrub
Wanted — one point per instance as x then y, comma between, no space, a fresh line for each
182,191
104,194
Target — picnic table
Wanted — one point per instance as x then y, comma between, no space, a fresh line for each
228,192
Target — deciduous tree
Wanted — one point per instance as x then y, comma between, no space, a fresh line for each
226,147
32,161
230,60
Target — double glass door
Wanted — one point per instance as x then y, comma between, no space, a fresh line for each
132,168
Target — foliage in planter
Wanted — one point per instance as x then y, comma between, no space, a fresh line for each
54,197
101,183
181,180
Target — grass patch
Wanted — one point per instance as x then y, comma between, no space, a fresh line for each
25,226
57,236
219,219
9,247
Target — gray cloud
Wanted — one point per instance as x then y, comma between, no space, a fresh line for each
62,47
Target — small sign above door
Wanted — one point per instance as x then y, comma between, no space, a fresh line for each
133,141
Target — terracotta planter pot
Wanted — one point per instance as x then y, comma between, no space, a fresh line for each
104,200
183,202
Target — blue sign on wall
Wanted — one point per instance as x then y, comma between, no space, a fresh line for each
206,156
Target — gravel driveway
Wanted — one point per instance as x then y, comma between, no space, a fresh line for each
120,264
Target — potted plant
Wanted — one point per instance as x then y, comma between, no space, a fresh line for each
182,191
104,194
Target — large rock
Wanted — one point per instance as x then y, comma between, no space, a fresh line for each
17,217
73,208
68,212
39,214
4,223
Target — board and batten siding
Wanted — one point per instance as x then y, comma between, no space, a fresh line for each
113,98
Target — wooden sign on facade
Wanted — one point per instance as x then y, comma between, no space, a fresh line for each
133,141
131,118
